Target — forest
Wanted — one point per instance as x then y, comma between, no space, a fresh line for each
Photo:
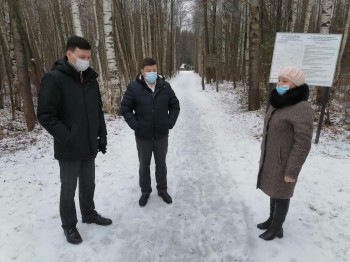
239,33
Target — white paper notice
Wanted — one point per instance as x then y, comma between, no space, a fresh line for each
315,54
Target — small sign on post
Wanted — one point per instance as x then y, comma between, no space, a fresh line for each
315,54
211,61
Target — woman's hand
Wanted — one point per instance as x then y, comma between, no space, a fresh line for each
289,179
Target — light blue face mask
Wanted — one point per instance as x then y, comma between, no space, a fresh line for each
151,77
282,89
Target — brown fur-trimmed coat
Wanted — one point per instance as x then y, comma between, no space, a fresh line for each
288,129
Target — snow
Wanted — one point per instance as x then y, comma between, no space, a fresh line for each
212,163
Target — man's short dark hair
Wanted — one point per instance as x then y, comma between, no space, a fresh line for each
148,62
77,42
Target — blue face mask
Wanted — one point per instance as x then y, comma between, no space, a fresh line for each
151,77
282,89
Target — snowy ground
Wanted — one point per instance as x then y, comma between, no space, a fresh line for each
212,167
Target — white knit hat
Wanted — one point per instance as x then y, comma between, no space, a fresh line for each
293,74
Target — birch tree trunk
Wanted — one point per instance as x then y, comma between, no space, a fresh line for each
76,18
254,45
294,14
310,5
112,70
326,16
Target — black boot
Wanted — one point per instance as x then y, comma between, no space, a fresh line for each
275,229
73,236
97,219
265,225
143,199
166,197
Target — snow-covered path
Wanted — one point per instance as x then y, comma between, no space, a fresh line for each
212,167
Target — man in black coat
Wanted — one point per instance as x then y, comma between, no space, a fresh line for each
70,109
150,107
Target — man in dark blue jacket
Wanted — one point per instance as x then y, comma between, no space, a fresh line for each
150,107
70,109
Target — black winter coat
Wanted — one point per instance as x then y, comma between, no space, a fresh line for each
150,114
71,111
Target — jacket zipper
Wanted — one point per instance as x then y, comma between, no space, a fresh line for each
88,120
154,94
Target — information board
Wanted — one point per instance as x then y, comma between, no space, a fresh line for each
210,61
315,54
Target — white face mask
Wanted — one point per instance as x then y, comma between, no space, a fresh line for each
81,65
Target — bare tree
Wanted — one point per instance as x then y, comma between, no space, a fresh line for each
2,76
254,38
343,45
11,49
22,65
97,50
61,19
310,5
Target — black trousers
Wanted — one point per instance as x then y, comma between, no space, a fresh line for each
159,148
71,172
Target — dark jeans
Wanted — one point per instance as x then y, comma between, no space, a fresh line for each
159,148
70,171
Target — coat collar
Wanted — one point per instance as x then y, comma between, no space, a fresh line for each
64,66
291,97
159,84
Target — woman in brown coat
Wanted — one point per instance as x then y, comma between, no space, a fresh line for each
288,128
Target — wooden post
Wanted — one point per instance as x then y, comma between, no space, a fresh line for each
203,86
320,122
217,78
